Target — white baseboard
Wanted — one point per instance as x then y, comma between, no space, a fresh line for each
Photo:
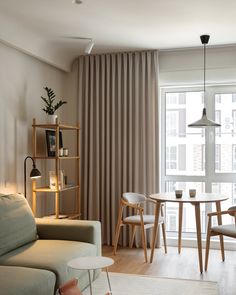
192,243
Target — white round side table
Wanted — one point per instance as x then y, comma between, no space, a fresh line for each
92,263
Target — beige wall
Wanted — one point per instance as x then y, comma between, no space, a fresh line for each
22,79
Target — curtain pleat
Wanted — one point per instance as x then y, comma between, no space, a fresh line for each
118,100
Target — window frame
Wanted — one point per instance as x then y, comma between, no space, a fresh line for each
211,176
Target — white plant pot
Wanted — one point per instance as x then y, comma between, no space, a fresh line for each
51,119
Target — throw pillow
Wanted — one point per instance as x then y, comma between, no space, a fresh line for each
17,223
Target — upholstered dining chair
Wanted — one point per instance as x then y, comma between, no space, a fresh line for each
136,202
228,230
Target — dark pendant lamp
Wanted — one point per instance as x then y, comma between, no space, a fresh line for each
204,121
35,173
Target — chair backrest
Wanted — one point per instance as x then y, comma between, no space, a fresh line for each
233,214
134,198
232,208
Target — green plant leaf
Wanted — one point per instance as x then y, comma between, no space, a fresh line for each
50,106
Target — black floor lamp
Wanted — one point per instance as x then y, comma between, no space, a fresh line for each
35,173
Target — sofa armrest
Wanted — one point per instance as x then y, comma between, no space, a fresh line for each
72,230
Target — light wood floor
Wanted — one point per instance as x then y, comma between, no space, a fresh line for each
173,265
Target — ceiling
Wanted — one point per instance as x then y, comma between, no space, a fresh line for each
42,27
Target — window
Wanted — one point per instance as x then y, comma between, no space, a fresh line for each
171,158
233,97
187,152
234,122
217,157
234,157
224,139
187,157
172,218
218,120
172,123
218,98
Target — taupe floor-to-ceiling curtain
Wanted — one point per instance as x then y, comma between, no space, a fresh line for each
118,97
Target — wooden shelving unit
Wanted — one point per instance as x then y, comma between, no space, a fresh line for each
57,159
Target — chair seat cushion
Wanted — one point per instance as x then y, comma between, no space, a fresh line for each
147,219
52,255
227,230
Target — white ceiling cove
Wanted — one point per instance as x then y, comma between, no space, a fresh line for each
42,27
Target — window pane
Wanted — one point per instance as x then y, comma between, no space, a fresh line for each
185,147
172,209
225,114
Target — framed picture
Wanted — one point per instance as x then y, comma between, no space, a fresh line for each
51,142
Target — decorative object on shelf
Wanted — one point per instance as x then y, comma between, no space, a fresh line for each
65,152
204,121
35,173
50,105
61,152
53,180
51,142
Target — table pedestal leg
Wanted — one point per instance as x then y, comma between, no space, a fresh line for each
90,283
180,226
109,283
199,234
154,234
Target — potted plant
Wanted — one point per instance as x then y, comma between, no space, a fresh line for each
50,105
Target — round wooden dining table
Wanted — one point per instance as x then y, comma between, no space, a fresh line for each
195,201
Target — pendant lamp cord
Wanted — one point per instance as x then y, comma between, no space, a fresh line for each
204,74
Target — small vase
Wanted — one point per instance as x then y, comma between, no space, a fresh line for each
52,119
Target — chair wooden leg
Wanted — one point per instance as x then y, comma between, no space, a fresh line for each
164,236
180,227
163,231
132,236
116,238
219,217
118,226
208,243
143,236
155,230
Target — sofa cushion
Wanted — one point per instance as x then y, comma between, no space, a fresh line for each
17,224
52,255
26,281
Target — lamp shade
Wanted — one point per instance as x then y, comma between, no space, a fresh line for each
35,173
204,122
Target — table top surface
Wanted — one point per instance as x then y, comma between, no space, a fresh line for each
199,198
90,262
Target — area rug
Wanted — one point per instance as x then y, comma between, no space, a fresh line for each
126,284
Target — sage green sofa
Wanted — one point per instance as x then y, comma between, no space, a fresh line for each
34,252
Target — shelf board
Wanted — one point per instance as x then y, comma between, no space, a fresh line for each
47,189
55,158
54,126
